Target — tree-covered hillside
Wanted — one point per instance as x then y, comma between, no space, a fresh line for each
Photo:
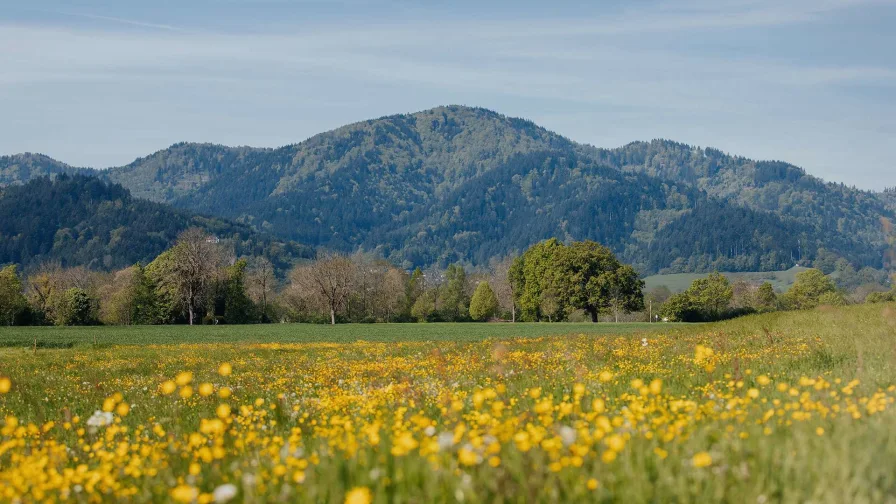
22,168
81,220
834,210
654,224
460,183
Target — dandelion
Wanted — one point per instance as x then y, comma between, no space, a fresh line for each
123,409
702,459
184,493
223,411
168,387
467,456
206,389
591,484
358,495
184,378
225,369
5,384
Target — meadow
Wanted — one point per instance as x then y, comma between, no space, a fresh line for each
678,282
784,407
70,336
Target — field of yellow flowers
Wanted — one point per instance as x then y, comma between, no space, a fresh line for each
762,410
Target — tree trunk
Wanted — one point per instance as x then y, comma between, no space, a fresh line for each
513,313
190,309
593,316
332,316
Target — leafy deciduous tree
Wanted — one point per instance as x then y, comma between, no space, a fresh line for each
12,300
808,288
484,302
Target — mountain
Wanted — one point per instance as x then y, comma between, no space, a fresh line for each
82,220
772,186
22,168
468,184
652,223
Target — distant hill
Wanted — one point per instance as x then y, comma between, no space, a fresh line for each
81,220
467,184
22,168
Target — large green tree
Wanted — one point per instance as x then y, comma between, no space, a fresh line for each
455,302
807,290
582,275
533,273
711,295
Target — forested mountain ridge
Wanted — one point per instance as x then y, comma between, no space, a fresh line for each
335,188
773,186
420,187
652,223
83,221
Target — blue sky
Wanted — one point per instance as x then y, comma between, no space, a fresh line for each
101,82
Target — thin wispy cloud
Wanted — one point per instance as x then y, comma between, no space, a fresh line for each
117,20
700,72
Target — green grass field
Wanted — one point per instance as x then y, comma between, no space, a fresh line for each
63,337
678,282
788,407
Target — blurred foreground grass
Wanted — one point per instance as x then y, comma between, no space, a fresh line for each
787,407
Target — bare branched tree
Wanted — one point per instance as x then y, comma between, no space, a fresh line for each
330,278
392,292
196,260
500,284
261,284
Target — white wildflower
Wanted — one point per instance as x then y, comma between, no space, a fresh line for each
224,492
446,440
568,435
100,419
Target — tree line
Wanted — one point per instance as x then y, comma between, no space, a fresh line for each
201,280
715,297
